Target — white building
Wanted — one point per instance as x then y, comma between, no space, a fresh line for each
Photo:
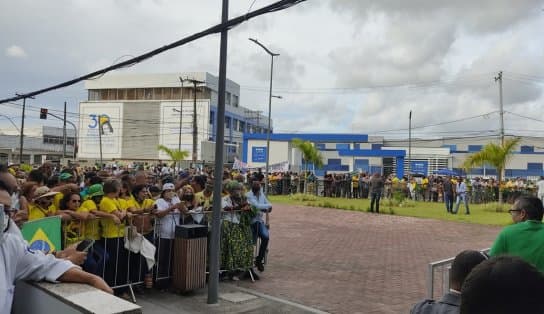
141,111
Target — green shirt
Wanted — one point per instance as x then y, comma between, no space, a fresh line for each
524,239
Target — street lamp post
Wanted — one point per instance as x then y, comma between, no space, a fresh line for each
410,142
272,55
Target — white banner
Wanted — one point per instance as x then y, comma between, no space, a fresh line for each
279,167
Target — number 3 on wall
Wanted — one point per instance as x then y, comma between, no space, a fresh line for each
94,119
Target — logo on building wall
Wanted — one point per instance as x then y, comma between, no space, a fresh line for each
102,120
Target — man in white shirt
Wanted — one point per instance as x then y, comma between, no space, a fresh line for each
18,262
461,191
540,185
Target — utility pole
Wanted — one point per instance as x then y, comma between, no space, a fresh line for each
21,142
100,138
410,142
64,133
180,119
499,79
213,282
195,126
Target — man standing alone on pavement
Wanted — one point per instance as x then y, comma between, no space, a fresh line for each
461,191
376,188
447,186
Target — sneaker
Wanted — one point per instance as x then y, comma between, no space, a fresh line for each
259,264
255,276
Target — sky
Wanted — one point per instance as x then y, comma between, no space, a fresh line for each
345,66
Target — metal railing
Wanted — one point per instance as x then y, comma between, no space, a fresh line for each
442,267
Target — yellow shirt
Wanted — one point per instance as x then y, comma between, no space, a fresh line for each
36,212
56,200
92,227
109,228
201,199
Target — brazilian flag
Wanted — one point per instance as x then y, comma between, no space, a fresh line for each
43,234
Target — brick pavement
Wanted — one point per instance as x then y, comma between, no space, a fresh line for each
354,262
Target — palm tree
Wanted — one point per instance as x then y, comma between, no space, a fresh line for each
310,154
494,155
175,154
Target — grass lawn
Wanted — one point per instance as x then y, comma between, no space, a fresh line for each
479,214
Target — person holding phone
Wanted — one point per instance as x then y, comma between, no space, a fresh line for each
18,262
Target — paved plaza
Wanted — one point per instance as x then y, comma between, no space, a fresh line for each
353,262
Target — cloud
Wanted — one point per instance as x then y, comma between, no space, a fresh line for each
15,51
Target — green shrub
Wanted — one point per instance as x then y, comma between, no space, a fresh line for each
301,197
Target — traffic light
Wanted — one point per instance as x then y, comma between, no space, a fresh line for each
43,113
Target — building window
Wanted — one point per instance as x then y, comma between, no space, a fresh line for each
158,93
112,94
94,94
131,94
51,139
227,98
242,126
139,93
235,124
212,117
122,94
235,101
148,93
227,122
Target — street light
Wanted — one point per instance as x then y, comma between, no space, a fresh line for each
410,143
272,55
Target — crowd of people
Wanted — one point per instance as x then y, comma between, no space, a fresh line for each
107,207
419,188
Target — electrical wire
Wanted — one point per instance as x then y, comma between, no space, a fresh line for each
274,7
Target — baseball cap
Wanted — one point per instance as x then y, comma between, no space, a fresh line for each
95,190
65,176
43,191
168,186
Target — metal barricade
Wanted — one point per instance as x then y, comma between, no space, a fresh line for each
442,268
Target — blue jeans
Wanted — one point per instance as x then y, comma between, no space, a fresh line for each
448,199
375,199
463,197
260,230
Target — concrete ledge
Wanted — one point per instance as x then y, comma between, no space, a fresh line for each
52,298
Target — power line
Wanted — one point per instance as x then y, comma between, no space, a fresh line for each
277,6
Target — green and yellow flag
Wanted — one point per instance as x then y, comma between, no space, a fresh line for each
43,234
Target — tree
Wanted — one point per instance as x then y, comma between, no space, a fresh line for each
310,154
494,155
175,154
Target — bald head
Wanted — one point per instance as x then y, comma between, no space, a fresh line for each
7,180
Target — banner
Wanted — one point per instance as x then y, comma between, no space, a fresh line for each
43,234
279,167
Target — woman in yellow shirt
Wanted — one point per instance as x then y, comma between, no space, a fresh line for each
95,258
42,204
113,231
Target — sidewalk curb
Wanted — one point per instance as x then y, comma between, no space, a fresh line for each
279,300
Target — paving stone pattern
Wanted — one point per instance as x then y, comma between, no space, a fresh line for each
354,262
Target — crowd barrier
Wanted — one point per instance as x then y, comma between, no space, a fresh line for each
122,268
438,275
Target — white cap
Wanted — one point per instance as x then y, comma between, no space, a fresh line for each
168,186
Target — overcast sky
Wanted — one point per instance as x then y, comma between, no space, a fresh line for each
346,66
